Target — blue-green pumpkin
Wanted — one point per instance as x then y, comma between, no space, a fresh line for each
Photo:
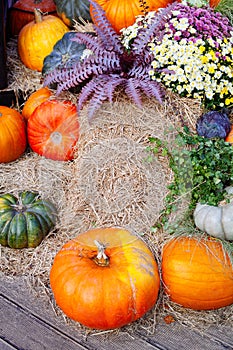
66,52
25,220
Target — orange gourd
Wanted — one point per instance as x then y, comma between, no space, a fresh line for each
34,100
122,13
214,3
37,38
229,137
53,129
13,140
105,278
197,273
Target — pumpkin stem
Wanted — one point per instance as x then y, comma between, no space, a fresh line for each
19,207
101,258
38,15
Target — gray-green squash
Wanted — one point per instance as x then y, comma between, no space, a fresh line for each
217,221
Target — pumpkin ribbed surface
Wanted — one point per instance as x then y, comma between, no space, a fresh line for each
105,295
25,220
121,14
66,53
197,273
34,100
70,10
53,129
12,134
37,38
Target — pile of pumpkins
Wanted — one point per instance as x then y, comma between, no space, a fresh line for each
52,130
104,278
44,29
108,277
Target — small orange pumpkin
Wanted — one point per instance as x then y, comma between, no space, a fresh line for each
13,140
53,129
37,39
105,278
197,273
122,13
34,100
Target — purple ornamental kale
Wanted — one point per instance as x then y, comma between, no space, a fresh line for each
214,124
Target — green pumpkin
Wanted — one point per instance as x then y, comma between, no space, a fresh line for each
26,220
66,52
70,10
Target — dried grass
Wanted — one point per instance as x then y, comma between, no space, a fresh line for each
110,182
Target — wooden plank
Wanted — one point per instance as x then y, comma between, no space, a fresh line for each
177,337
166,337
223,335
28,332
6,346
18,307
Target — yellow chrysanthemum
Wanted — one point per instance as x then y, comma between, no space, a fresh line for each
204,59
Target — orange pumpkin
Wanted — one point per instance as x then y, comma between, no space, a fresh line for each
197,273
105,278
13,140
37,39
53,129
22,12
214,3
229,137
34,100
122,13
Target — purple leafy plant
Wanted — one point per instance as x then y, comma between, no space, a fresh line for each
108,66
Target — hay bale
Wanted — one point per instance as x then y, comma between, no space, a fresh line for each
110,182
22,80
113,183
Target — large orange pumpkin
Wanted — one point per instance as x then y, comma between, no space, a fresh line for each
197,273
22,12
122,13
37,39
13,140
105,278
53,129
34,100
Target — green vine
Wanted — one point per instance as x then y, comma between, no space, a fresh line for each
202,168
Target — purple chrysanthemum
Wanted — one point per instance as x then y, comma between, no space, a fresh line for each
206,22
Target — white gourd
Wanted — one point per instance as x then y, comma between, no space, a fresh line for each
217,221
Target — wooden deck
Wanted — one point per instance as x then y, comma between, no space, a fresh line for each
29,323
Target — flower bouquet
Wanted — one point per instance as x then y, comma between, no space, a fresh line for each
191,52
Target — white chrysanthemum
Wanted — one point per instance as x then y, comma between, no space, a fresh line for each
202,69
217,74
209,94
199,86
180,89
176,13
181,24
